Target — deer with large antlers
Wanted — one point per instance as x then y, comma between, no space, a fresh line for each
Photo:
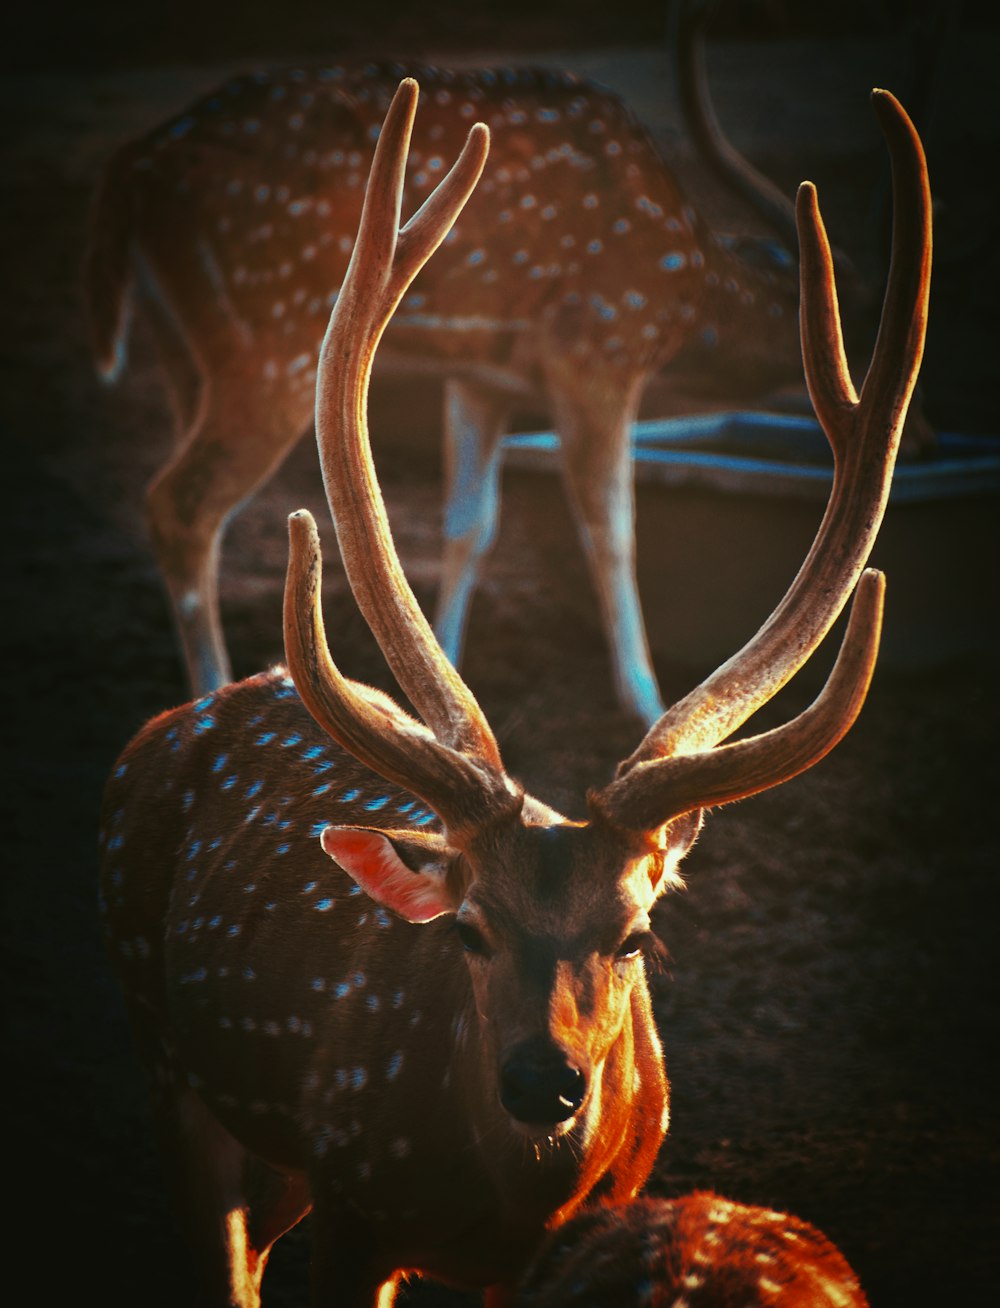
577,272
700,1250
373,977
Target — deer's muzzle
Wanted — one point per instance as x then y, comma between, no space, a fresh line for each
539,1084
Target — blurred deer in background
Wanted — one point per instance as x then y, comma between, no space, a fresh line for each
577,272
372,976
699,1250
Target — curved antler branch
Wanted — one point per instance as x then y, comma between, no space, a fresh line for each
384,262
823,356
686,30
658,790
864,434
453,763
899,347
368,724
687,44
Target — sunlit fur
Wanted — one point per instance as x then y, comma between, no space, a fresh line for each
696,1251
356,1053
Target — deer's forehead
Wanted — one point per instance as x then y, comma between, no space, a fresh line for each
560,880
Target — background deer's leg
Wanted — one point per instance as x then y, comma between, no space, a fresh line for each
183,376
594,410
475,421
240,437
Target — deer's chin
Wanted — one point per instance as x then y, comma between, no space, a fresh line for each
542,1133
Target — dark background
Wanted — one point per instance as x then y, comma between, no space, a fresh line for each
829,1014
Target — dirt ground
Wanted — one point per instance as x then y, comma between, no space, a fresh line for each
830,1011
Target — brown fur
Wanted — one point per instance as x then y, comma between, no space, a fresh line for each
300,1034
696,1251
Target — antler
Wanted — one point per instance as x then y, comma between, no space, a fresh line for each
676,767
687,43
686,22
455,766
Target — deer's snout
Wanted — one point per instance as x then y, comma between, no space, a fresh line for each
539,1084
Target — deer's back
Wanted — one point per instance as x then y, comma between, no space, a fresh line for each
267,968
578,226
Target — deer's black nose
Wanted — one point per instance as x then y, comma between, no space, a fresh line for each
539,1084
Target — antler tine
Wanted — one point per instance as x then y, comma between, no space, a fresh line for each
687,39
370,725
746,767
686,24
386,258
384,262
899,346
892,373
864,434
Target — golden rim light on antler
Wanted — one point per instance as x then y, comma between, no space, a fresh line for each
679,766
454,764
464,791
384,262
864,436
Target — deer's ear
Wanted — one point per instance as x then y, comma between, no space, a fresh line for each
676,838
401,870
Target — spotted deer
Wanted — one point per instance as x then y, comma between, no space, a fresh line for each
372,976
577,272
697,1251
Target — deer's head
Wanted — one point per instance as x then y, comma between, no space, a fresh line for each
553,918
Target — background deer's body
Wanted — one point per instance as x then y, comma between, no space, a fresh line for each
576,273
336,1043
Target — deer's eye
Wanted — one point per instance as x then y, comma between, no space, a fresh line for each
471,939
637,942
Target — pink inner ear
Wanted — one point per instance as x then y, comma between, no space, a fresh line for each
370,859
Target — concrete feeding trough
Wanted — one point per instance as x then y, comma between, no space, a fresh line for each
728,504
